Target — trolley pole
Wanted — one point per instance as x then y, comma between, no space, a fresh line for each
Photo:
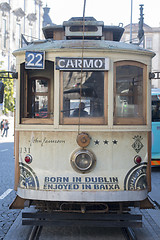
131,22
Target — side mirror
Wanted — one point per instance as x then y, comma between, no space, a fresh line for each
1,92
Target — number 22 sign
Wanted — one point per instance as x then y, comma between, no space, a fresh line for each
34,60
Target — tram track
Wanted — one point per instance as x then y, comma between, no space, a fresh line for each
35,233
128,233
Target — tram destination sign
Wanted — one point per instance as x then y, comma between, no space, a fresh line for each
88,64
34,60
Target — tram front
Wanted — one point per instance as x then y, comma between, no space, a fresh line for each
83,124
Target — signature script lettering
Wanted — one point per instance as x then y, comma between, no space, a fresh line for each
42,142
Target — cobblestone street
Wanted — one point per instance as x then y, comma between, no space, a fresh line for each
7,216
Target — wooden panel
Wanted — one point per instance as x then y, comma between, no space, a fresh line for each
25,94
17,171
130,121
149,162
86,121
58,34
37,121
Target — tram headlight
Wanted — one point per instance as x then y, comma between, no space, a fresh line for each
83,160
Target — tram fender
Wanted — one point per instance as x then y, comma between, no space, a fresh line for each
146,204
18,203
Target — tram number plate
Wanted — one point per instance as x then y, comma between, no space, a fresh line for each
34,60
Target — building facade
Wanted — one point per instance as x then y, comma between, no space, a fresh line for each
151,42
18,17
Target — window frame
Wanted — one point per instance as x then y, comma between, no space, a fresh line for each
131,120
85,120
24,103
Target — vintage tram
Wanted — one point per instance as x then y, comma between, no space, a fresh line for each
83,120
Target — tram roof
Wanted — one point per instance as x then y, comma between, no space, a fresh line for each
70,36
52,45
115,30
77,28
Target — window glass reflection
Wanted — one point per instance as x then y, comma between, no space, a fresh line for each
39,101
40,106
129,91
83,98
39,86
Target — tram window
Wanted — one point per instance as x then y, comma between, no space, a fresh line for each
39,105
37,95
155,111
129,93
83,97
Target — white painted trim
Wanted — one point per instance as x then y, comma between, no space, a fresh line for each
80,196
5,194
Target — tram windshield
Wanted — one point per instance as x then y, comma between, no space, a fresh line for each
83,94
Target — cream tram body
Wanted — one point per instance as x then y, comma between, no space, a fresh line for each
59,168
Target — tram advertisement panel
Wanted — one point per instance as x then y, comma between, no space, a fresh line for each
51,169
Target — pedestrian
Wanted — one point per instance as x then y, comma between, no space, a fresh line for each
2,126
5,127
